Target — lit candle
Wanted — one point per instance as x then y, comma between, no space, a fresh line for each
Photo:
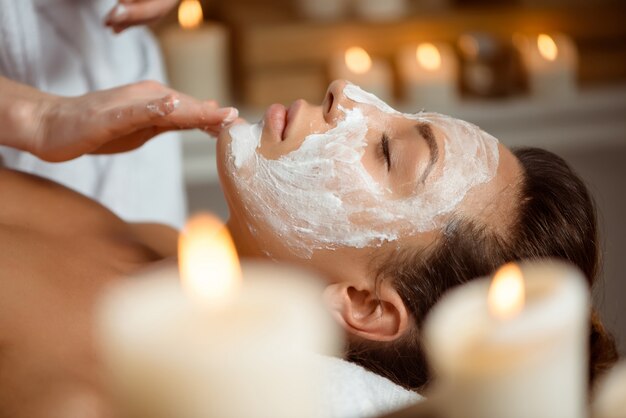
233,349
429,72
551,63
512,348
196,54
357,66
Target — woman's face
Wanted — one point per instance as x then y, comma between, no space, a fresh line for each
353,175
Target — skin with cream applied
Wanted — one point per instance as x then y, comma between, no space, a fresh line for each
366,176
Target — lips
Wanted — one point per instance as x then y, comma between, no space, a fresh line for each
276,120
279,119
292,112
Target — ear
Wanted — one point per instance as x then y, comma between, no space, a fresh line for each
374,315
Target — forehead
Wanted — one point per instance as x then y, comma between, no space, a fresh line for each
495,202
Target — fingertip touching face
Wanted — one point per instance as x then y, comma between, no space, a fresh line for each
351,173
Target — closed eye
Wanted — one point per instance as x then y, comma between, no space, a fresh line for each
383,151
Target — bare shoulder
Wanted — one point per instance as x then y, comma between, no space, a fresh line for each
45,206
41,206
161,238
59,251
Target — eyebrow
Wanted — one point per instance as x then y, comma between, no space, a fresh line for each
426,131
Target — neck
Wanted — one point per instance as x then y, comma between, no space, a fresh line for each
245,244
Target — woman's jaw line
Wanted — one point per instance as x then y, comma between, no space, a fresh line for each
245,243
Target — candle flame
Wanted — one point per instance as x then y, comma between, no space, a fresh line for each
428,56
358,60
208,262
506,293
190,14
547,47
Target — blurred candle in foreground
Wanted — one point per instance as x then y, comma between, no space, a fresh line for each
551,63
506,293
206,246
429,73
196,54
512,348
371,74
232,349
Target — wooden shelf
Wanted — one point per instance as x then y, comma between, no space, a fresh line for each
279,58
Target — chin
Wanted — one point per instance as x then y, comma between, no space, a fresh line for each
225,171
256,229
222,156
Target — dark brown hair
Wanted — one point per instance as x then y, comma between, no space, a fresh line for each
555,217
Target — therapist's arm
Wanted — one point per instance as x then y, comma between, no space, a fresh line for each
56,128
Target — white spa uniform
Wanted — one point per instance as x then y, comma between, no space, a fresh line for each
62,47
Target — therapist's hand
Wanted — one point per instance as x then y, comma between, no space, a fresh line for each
129,13
118,120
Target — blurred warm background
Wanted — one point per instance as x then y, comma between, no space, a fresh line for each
279,50
549,73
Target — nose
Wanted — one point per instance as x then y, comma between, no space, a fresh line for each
334,98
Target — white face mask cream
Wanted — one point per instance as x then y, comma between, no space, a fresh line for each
320,196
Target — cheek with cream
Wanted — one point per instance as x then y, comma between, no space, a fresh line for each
320,196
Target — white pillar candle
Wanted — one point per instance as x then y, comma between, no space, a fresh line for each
551,63
357,66
429,73
229,351
381,10
196,54
495,355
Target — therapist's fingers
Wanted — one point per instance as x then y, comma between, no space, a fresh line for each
173,111
138,12
217,130
122,120
194,114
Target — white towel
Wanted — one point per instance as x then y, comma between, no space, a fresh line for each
354,392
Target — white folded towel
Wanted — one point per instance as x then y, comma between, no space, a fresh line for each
354,392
